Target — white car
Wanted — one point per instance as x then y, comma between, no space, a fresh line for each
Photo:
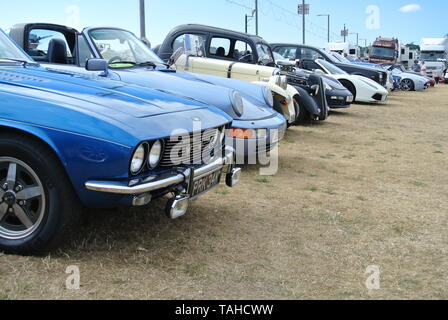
408,81
352,60
190,58
362,88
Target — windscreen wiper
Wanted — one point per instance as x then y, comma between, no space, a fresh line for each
147,64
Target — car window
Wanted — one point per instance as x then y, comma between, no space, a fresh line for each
8,50
309,54
39,41
332,69
84,51
243,52
287,52
265,56
220,47
179,41
120,46
310,65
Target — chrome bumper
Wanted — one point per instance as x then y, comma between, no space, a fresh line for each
176,177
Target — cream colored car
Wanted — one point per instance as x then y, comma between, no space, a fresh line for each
285,96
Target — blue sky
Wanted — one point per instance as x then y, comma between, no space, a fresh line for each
278,19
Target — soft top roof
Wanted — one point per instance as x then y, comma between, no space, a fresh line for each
204,28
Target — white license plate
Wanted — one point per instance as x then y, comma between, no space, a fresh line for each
205,184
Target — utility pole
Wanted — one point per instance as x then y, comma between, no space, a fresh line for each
247,19
256,17
344,33
143,23
303,10
328,16
364,50
357,37
304,25
365,42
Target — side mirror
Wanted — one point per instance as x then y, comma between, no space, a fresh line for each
98,65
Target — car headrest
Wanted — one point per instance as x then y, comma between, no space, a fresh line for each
57,51
221,52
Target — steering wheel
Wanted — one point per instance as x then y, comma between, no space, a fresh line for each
113,59
245,56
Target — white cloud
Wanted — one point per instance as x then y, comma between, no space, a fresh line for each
410,8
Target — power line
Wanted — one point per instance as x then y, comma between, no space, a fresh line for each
238,3
278,12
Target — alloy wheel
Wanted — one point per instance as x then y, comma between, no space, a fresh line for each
22,199
406,85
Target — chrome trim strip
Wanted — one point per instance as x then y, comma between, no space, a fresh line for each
164,181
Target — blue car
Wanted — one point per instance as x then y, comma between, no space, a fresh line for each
72,140
256,128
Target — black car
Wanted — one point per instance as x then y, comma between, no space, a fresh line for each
304,52
240,47
337,95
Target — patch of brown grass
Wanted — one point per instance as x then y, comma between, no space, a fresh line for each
368,187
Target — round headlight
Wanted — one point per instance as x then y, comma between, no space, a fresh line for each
155,154
268,97
237,103
138,159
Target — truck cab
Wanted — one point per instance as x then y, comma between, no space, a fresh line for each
384,50
434,52
344,48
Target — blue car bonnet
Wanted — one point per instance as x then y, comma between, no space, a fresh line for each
205,89
79,103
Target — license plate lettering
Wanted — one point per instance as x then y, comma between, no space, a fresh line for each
205,183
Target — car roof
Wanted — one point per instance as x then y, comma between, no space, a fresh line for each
205,28
294,45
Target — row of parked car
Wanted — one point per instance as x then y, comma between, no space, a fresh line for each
98,119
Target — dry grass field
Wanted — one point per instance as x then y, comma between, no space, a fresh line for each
367,187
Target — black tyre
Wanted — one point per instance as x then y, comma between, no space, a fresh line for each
350,87
407,85
38,207
304,115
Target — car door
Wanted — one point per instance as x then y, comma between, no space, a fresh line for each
238,55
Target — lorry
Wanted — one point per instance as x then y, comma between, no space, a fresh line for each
384,50
407,55
434,52
344,47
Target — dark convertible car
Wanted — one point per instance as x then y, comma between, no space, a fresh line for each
240,47
304,52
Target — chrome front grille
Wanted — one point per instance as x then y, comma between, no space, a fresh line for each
190,149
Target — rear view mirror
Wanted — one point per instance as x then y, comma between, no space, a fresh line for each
98,65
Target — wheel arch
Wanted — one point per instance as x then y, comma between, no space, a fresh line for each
37,135
348,82
304,98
